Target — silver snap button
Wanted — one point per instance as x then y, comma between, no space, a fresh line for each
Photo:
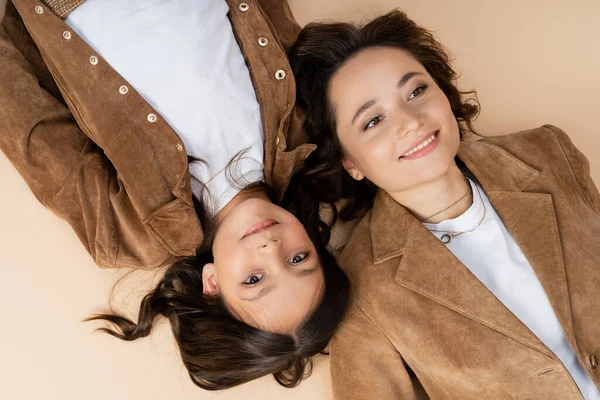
594,361
179,147
123,89
277,141
39,9
152,118
244,7
93,60
67,35
263,41
280,74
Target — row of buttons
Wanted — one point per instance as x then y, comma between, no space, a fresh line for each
263,42
123,89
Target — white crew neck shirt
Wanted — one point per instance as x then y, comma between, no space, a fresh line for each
183,59
493,256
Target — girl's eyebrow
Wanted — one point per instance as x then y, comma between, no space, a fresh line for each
269,288
407,77
261,293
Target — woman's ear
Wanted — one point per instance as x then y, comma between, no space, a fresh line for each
210,285
352,169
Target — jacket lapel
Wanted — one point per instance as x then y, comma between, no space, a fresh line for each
427,267
529,217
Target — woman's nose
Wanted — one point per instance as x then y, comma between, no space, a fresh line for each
407,122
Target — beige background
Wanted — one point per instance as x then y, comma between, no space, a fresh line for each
532,62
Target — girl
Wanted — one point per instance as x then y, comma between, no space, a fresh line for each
474,267
102,103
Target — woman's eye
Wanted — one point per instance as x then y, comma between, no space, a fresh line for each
417,92
299,258
253,279
372,123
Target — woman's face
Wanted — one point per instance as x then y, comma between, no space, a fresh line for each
265,267
395,124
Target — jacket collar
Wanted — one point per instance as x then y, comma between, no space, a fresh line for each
427,267
493,167
62,8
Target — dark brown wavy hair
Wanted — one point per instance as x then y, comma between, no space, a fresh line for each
320,51
219,350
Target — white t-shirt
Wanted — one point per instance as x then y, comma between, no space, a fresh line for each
493,256
183,59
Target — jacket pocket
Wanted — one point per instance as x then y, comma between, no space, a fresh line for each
177,227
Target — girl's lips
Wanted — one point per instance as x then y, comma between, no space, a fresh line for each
260,226
425,150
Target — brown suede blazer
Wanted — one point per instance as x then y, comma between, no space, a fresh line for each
95,153
417,308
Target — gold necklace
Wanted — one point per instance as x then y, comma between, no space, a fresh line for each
449,235
439,212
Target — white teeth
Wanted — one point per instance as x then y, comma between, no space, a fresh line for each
421,146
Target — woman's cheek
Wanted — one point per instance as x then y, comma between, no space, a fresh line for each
381,150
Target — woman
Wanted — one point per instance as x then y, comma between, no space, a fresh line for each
103,102
474,267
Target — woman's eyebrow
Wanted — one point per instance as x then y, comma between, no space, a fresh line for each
362,109
407,77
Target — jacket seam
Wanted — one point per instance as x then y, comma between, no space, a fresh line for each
411,362
75,109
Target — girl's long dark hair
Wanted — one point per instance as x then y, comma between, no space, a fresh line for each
320,51
220,351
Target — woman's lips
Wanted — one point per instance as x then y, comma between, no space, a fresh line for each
426,149
260,226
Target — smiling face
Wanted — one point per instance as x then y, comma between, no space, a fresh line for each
265,267
395,124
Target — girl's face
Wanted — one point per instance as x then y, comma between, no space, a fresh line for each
395,124
265,267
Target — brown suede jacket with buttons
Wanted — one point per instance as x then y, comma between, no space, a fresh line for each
417,307
94,151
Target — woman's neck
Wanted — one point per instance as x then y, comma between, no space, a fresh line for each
251,192
433,202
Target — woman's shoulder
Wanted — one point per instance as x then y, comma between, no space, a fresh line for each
358,248
540,137
541,147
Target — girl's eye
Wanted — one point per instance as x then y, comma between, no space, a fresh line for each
254,279
298,258
417,92
372,123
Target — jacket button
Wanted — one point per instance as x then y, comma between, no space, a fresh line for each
244,7
594,361
263,41
94,60
280,74
123,89
152,118
179,147
39,10
67,35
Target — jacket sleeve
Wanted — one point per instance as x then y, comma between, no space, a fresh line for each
65,170
580,167
366,365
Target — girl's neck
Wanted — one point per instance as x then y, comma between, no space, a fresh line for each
427,199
